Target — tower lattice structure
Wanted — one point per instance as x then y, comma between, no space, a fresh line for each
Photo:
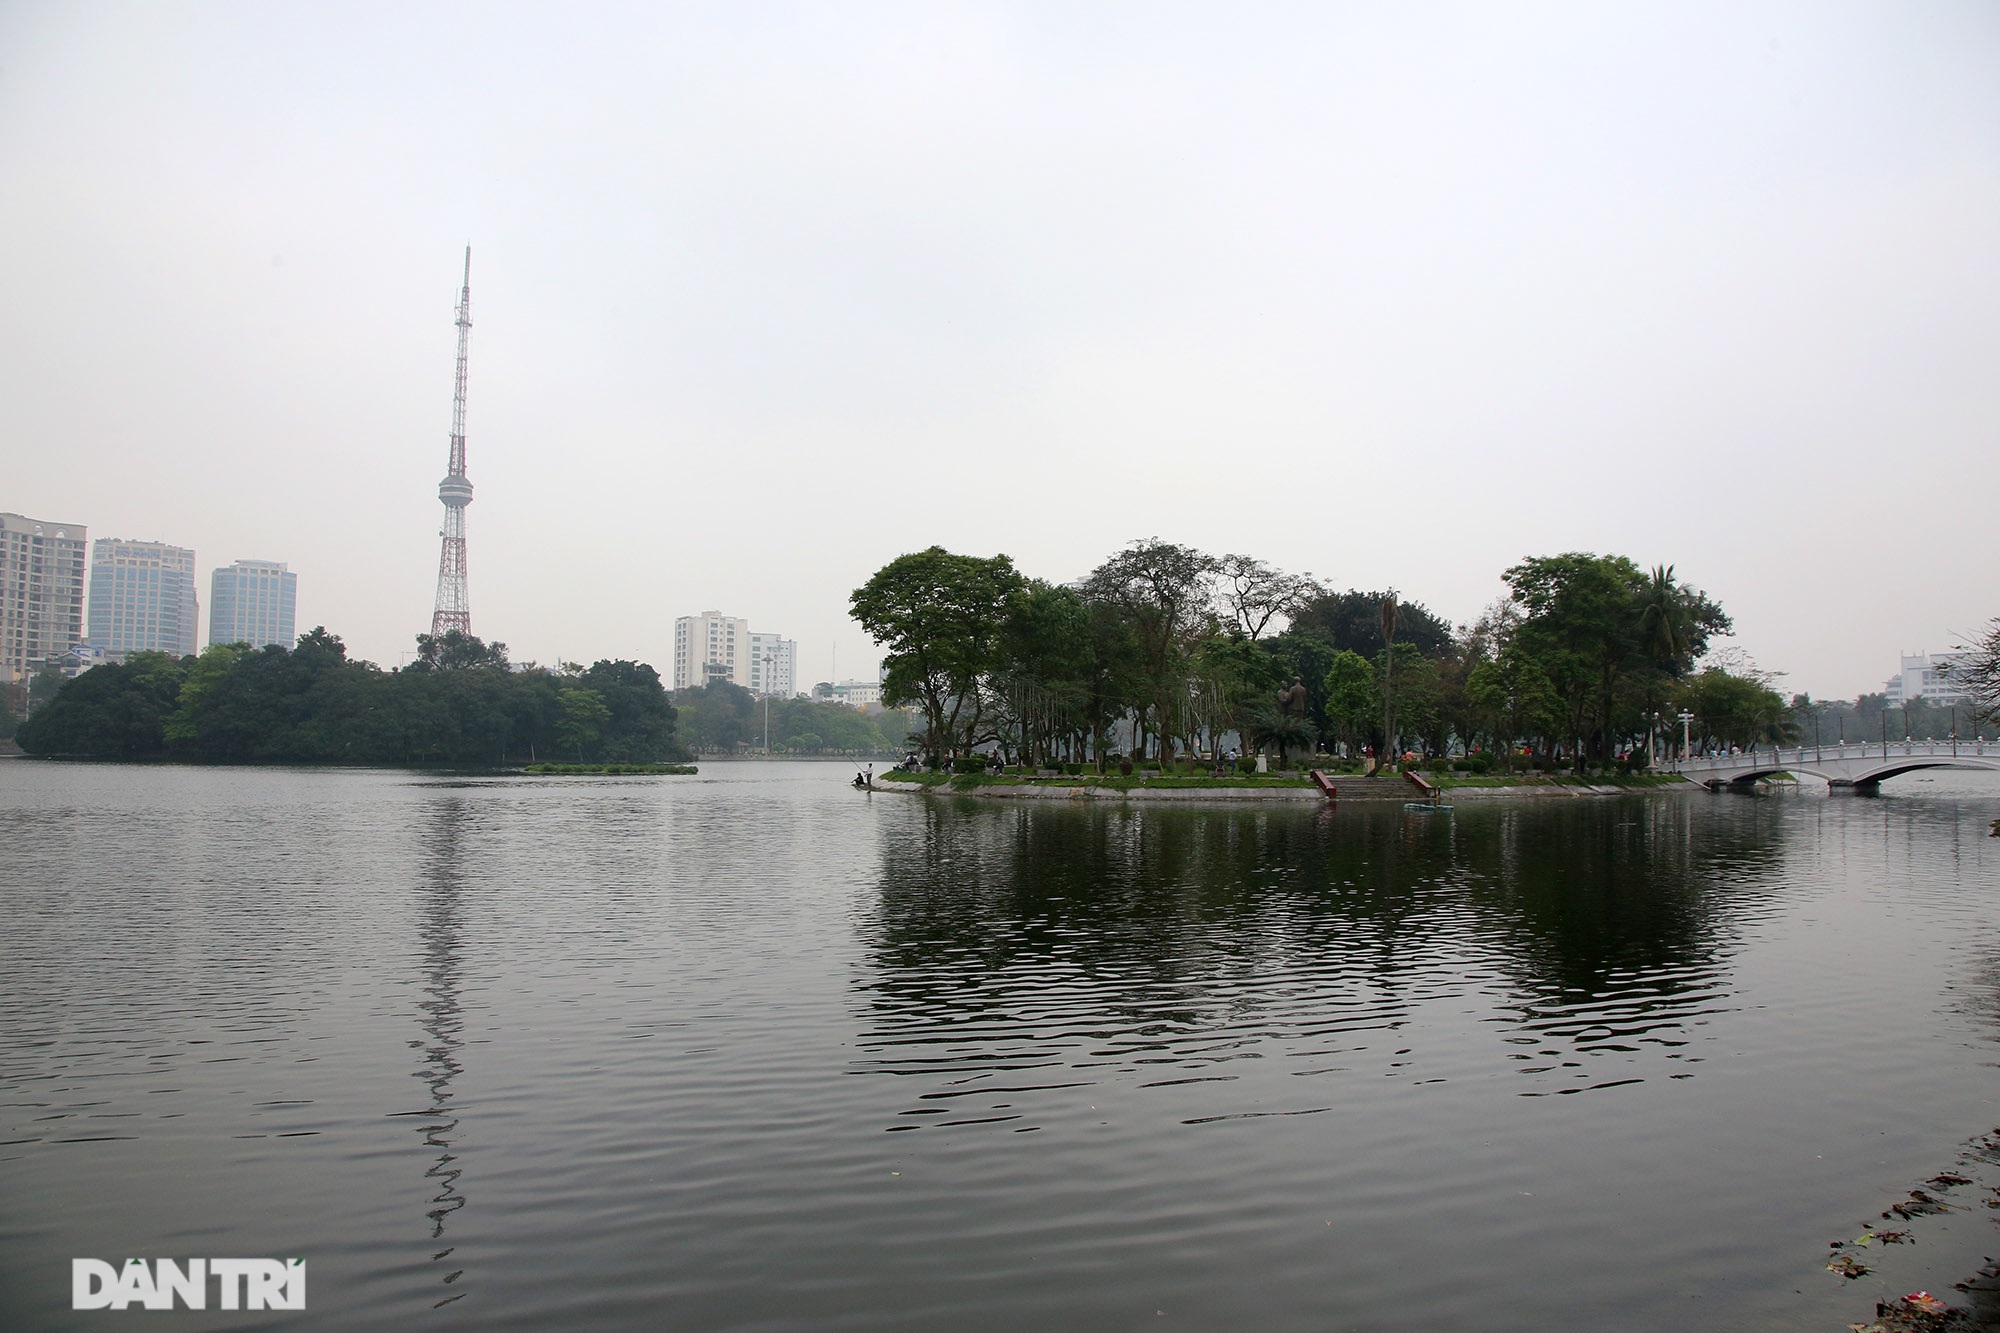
453,610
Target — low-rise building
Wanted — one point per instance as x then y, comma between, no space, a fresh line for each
853,693
1925,676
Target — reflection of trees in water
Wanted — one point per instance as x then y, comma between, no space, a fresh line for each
1032,936
1591,890
442,1021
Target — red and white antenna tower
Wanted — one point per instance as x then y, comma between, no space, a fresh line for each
454,608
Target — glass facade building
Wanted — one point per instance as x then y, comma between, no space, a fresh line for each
254,602
142,597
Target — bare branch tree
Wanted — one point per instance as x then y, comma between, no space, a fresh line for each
1254,593
1977,672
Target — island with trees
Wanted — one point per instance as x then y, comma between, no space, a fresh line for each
1165,658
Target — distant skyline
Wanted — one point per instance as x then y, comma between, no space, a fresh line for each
763,297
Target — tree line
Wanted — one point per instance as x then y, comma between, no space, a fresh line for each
1165,649
724,718
459,702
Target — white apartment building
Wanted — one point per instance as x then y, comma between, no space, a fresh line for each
712,646
1924,676
773,664
41,592
709,647
142,597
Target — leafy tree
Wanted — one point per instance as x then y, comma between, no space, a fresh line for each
1351,696
1734,710
455,650
43,685
1039,681
939,615
205,675
641,725
1513,698
716,718
1353,621
1164,593
1609,636
1419,702
116,711
1236,685
584,714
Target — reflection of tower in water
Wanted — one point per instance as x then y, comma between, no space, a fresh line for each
442,1022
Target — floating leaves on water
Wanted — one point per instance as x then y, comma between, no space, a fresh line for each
1894,1237
1918,1312
1846,1265
1918,1204
1949,1178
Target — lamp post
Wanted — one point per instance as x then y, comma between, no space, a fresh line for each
767,660
1686,718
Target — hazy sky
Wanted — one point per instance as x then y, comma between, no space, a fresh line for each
766,295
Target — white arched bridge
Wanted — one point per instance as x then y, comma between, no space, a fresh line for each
1849,765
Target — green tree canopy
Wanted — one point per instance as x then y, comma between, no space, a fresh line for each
939,616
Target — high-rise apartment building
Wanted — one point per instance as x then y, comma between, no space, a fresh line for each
142,597
712,646
708,647
772,659
41,591
254,602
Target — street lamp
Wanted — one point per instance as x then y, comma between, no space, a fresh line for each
1686,718
767,660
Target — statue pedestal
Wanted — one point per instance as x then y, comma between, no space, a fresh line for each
1263,762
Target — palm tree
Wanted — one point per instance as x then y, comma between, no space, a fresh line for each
1390,615
1273,726
1665,619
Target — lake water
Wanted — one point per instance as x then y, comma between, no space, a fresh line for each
751,1050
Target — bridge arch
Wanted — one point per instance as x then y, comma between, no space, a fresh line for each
1864,766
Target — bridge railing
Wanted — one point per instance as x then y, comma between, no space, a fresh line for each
1785,755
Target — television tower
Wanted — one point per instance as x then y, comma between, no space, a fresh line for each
454,609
